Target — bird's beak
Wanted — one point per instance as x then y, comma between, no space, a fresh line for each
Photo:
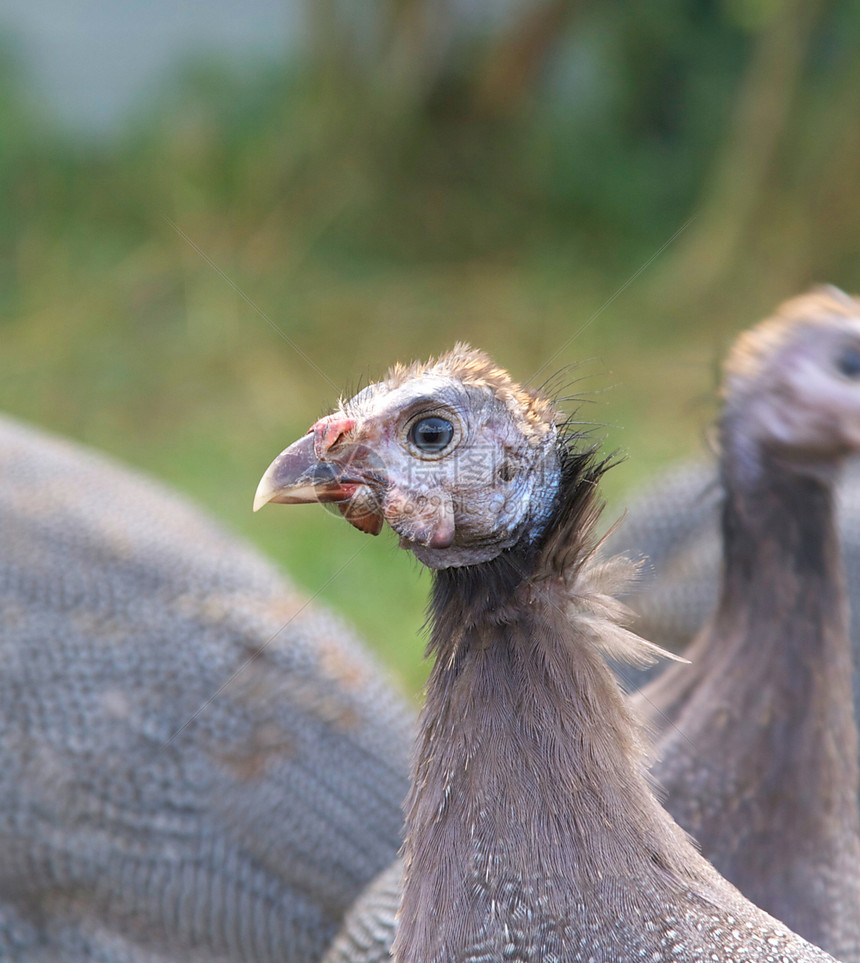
297,476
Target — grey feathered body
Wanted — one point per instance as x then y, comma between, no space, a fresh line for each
194,766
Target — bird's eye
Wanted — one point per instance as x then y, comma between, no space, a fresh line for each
848,363
431,434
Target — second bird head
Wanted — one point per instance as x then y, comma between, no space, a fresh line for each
792,384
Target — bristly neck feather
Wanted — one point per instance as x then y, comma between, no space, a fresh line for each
528,791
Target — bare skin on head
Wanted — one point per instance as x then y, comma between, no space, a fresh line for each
758,745
532,833
453,456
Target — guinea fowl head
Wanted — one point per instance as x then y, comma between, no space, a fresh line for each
792,383
459,460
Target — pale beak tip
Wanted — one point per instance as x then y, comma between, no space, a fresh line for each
264,493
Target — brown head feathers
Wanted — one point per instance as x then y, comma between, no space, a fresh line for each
757,346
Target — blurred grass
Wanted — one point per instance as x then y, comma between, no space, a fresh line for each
324,212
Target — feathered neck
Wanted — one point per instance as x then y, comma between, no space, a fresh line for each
777,521
783,616
782,592
527,783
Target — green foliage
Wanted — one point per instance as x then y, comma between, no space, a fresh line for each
368,208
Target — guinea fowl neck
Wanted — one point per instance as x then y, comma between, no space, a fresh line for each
528,792
779,644
782,583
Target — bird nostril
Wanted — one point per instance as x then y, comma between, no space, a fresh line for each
329,431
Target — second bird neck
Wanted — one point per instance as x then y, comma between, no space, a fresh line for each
782,583
778,647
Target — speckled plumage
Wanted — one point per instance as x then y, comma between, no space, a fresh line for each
368,929
125,838
532,833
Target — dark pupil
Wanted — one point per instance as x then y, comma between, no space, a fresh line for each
431,434
849,363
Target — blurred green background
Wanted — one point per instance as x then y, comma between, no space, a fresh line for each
607,190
